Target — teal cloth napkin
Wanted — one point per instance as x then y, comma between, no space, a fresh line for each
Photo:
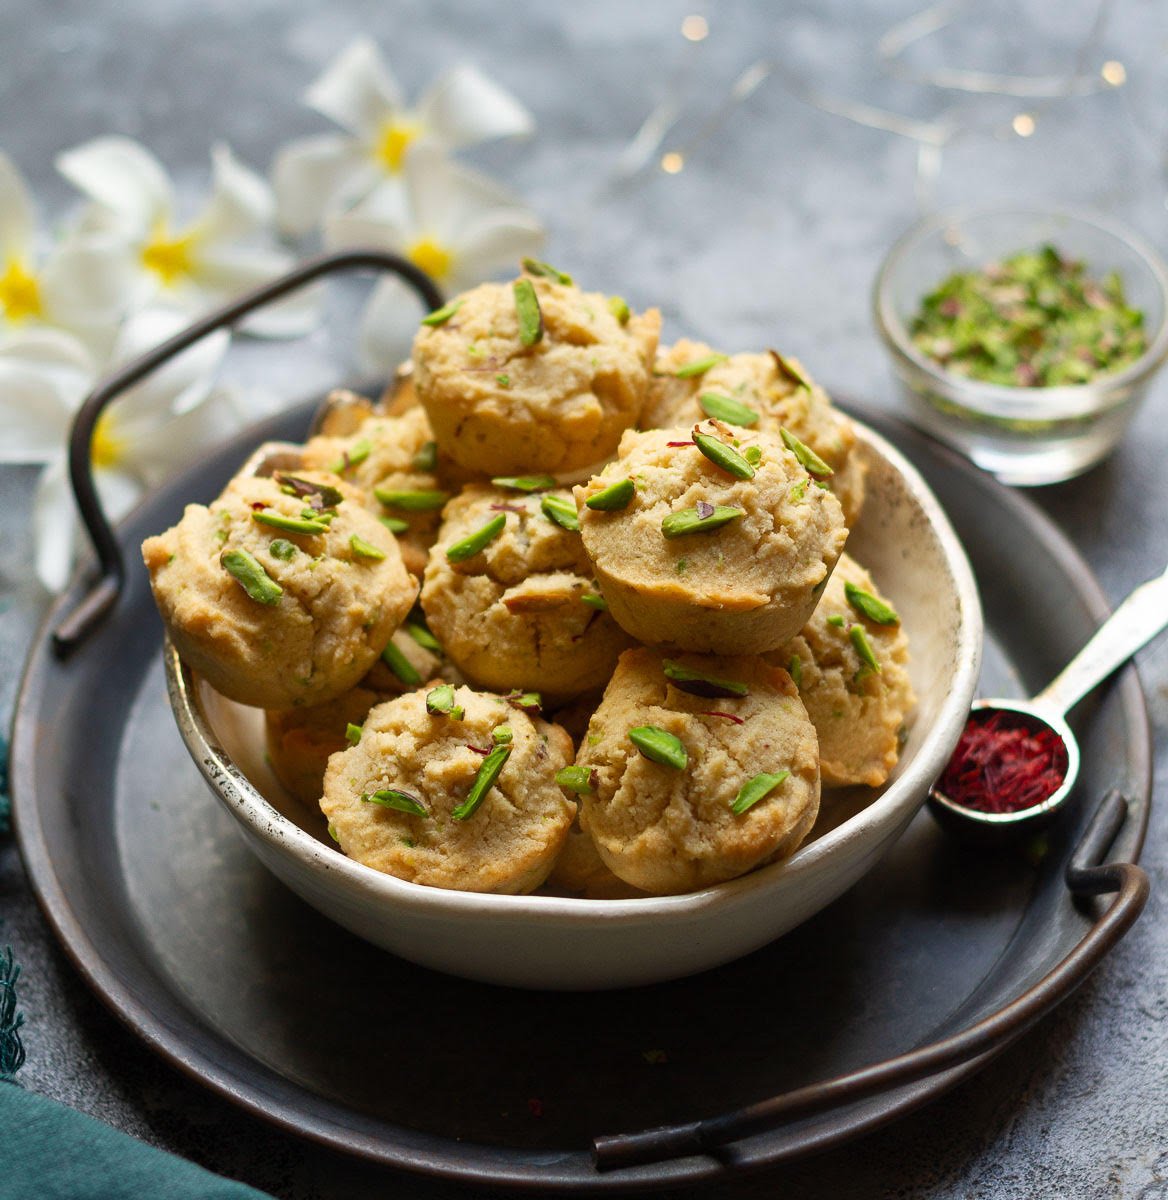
49,1152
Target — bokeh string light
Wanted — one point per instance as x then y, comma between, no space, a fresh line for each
664,136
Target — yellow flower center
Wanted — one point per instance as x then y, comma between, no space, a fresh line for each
431,257
20,295
393,143
170,258
106,448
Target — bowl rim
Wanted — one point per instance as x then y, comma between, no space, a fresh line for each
910,789
1089,397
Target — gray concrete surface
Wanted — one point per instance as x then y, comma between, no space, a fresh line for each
771,234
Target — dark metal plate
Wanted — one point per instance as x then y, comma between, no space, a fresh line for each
232,978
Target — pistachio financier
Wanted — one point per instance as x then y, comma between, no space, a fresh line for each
452,788
283,592
534,374
711,539
767,392
697,769
850,665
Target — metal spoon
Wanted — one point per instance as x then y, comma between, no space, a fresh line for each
1133,624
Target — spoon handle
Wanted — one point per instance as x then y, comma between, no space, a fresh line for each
1135,622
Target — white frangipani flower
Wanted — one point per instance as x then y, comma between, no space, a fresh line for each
317,175
75,293
192,267
454,223
141,439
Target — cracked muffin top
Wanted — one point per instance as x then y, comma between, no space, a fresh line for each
533,375
283,592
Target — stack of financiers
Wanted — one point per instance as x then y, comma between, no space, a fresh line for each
573,613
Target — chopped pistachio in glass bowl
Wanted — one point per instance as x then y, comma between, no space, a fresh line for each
1024,338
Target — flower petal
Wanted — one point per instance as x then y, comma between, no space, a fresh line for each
54,521
157,453
41,347
173,388
35,415
464,107
382,219
17,220
124,177
118,490
498,239
241,202
89,282
356,90
226,274
445,197
308,174
388,325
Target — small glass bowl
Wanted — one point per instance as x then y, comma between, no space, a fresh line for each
1025,436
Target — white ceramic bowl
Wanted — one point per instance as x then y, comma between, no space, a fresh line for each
542,941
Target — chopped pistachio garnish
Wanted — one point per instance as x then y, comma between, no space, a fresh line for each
863,647
528,310
440,702
324,515
441,315
524,483
870,606
363,549
411,499
426,458
681,566
561,511
476,542
534,267
695,520
401,666
790,370
612,498
723,408
797,491
248,573
753,455
395,524
353,457
808,459
795,670
502,734
756,789
528,702
722,455
422,635
277,520
836,619
581,780
330,496
504,381
618,306
483,781
699,366
700,683
660,746
282,549
595,600
1035,319
399,801
332,832
352,733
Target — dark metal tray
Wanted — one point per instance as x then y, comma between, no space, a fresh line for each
233,979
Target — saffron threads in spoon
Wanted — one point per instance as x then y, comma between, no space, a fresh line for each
1003,763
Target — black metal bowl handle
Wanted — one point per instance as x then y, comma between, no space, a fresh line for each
77,624
1085,877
